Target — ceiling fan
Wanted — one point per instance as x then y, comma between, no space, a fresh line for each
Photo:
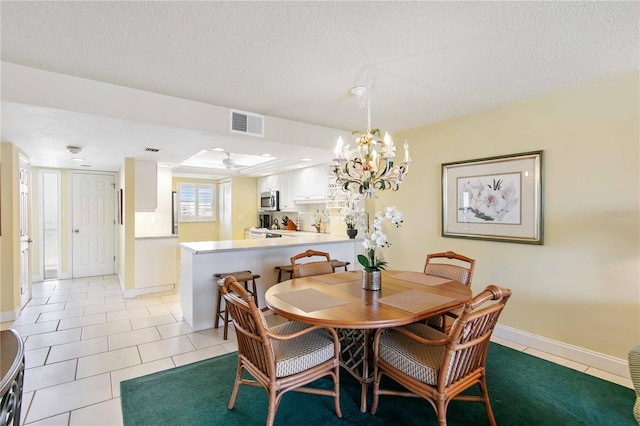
228,162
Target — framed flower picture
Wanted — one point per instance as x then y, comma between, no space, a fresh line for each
496,198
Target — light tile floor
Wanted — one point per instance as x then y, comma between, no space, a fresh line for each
82,338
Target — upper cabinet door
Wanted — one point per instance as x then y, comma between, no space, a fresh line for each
285,186
267,183
310,185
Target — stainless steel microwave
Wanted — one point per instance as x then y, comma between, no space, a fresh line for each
270,201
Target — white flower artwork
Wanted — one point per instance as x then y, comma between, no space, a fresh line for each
490,199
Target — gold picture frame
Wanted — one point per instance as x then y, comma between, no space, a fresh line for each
495,198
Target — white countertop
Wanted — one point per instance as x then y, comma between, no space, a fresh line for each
304,238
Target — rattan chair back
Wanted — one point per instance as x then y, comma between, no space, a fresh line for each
468,340
250,326
311,268
461,272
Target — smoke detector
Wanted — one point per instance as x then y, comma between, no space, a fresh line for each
74,149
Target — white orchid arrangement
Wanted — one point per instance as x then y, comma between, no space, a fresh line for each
377,239
354,217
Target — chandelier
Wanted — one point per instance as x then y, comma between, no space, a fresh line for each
371,166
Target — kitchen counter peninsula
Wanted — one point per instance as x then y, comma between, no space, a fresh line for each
200,260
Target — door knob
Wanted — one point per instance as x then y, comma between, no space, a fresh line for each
76,230
30,240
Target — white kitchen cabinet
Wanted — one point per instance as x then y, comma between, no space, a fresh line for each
267,183
285,186
310,185
156,262
146,178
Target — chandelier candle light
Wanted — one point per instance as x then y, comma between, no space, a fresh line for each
364,170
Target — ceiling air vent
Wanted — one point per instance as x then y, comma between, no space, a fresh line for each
152,150
247,123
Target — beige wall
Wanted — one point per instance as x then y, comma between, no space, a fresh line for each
244,201
9,239
128,231
582,286
9,299
196,231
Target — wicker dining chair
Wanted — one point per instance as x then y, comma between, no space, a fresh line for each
436,366
317,267
634,370
282,358
455,267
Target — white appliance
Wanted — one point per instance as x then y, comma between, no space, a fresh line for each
270,201
261,233
257,233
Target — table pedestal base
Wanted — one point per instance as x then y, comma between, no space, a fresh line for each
355,357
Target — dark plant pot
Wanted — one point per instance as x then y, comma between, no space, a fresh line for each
352,233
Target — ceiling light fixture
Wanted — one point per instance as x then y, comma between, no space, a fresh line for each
77,159
74,149
217,149
358,91
363,170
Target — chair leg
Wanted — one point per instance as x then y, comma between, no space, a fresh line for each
376,389
236,386
485,400
226,323
336,390
441,410
273,406
215,325
255,292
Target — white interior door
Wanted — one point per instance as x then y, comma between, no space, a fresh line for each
224,211
93,230
24,173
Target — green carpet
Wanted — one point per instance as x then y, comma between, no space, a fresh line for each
524,390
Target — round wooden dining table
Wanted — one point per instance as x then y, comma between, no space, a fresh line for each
338,301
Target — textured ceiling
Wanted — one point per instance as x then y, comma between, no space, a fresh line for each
297,60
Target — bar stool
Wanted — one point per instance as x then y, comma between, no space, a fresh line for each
289,269
242,277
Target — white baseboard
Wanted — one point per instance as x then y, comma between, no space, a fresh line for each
617,366
7,316
131,293
62,276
